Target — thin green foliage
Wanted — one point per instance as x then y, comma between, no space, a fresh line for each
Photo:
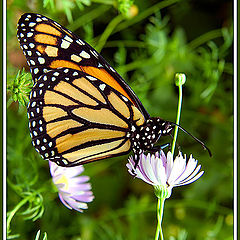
38,235
108,31
35,208
19,87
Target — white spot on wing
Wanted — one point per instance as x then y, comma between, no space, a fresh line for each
65,44
41,60
32,62
112,69
75,58
36,70
94,53
32,24
102,86
56,74
68,38
84,54
124,98
75,74
80,42
91,78
29,34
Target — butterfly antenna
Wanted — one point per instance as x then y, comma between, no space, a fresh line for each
196,139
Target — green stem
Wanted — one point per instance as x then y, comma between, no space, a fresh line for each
13,212
180,80
146,13
217,33
108,31
160,206
88,17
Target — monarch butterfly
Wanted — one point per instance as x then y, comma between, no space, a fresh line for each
80,109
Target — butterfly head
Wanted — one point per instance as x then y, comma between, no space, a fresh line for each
144,137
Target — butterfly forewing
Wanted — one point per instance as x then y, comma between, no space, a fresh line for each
47,45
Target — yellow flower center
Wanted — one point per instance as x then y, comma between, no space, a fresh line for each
63,180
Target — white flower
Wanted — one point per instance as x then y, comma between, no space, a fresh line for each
73,190
162,172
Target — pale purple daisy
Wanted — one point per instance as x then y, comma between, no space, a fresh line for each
73,190
162,172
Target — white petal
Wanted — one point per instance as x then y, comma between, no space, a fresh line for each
169,164
191,180
130,166
191,165
163,158
160,171
162,175
147,168
193,174
140,170
156,163
74,171
177,169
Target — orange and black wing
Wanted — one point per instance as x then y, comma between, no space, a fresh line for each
47,45
75,118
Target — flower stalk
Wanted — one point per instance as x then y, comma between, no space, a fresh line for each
180,79
160,207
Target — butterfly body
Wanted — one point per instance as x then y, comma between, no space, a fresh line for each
80,109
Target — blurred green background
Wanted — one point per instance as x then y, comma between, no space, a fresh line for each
147,42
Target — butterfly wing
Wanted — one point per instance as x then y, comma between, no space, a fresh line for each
75,118
47,45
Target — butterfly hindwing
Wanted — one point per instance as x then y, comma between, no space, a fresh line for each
47,45
76,118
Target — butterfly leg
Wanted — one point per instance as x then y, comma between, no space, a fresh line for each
158,148
136,160
152,150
